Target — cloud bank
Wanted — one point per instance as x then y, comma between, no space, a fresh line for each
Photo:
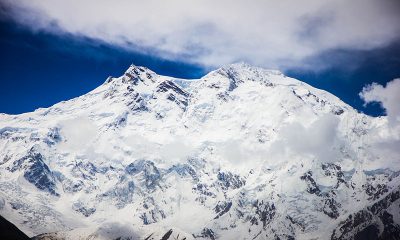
276,34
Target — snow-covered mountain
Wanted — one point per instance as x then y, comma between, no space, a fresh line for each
242,153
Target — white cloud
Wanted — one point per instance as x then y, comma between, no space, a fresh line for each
235,152
77,133
266,33
388,97
321,139
177,150
385,139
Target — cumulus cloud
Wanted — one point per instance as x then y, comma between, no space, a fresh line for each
388,97
266,33
77,133
235,152
320,139
385,139
177,149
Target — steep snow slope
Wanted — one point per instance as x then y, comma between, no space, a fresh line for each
242,153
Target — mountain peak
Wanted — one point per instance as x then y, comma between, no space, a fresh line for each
245,67
134,74
136,69
242,71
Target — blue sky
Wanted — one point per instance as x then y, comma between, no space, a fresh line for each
40,69
47,57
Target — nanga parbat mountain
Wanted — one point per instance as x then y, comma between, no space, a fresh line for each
242,153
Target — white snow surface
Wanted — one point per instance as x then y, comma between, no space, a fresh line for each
227,154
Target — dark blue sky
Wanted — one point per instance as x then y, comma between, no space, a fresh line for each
40,69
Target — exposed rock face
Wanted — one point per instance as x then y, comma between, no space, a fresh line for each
373,222
35,171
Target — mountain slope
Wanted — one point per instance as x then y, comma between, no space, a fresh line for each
242,153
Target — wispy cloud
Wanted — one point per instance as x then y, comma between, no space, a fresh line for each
276,34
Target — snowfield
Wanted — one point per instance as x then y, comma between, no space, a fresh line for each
242,153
